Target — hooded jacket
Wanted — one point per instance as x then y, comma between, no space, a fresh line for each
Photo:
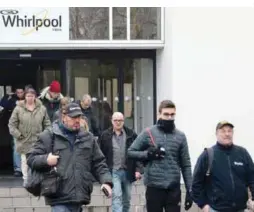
52,105
25,125
80,160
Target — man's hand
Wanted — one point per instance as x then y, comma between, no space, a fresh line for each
154,153
52,159
137,176
250,205
188,201
206,208
21,137
107,190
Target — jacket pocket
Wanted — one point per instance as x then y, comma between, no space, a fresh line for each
87,184
218,196
84,153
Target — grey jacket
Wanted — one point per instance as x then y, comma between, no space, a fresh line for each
78,162
164,173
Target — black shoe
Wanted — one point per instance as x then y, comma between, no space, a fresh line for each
17,174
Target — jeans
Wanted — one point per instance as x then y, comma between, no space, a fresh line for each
212,210
121,191
24,167
16,157
66,208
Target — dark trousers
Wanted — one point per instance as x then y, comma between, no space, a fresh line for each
158,199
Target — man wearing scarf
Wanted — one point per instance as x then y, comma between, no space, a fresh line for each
164,149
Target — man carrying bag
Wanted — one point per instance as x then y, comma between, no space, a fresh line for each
75,158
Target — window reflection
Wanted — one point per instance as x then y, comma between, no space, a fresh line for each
146,23
119,23
89,23
100,79
138,93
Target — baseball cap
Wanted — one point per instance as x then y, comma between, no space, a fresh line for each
73,110
223,123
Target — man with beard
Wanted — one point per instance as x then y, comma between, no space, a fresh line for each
50,97
164,149
76,157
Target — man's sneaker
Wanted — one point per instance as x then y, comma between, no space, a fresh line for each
17,174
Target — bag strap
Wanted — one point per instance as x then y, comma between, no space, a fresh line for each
210,155
53,142
52,150
151,136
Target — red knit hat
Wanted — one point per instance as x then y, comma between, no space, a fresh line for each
55,87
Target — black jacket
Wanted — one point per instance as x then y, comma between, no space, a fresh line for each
225,189
105,142
92,123
78,161
9,102
51,106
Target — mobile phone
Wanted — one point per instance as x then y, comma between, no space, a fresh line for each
105,191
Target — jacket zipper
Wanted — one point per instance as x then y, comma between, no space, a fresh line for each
74,161
165,160
231,176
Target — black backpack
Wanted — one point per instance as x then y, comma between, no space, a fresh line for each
210,155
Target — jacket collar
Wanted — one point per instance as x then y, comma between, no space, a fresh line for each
128,131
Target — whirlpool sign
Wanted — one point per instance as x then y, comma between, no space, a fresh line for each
26,24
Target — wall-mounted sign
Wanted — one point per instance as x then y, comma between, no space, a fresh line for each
34,25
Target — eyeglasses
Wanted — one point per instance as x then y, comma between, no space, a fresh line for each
118,120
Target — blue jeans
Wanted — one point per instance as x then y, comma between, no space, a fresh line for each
16,157
121,191
66,208
212,210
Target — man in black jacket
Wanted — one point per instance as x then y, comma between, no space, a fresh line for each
165,150
114,143
87,110
76,156
7,105
222,174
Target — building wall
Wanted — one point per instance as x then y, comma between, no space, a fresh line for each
206,68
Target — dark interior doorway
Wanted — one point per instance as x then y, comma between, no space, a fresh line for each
15,73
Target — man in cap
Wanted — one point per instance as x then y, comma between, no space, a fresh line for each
76,156
222,174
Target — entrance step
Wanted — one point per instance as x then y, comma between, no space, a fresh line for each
17,199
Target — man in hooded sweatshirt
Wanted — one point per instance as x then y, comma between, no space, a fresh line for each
164,149
51,97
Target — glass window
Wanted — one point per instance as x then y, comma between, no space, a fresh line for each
99,79
119,23
145,23
130,90
138,93
89,23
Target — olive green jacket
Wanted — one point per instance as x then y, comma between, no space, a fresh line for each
25,125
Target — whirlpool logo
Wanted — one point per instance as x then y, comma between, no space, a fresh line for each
32,23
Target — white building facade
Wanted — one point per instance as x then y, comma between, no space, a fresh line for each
129,59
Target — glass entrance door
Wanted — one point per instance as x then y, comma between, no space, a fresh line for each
99,79
124,85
